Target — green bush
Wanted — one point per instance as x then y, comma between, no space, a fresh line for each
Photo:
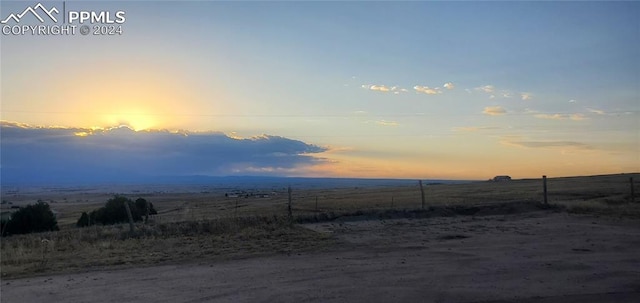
84,220
30,219
141,205
115,212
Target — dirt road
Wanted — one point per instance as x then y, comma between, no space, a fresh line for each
533,257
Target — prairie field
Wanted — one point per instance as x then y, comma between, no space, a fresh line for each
184,203
501,231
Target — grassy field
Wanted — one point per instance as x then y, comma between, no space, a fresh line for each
96,247
206,226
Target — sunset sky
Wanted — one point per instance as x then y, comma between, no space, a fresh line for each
450,90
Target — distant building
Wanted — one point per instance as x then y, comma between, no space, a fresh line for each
501,178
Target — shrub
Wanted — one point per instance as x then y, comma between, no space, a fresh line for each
84,220
29,219
115,212
141,205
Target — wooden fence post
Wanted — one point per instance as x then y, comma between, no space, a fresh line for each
289,206
544,188
633,195
421,192
235,209
146,215
131,226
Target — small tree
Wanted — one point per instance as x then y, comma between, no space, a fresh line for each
29,219
84,220
141,206
115,212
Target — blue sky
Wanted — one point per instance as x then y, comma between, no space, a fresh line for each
387,89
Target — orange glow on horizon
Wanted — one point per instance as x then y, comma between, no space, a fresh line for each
136,120
109,93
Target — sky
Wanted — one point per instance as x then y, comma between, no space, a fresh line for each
385,89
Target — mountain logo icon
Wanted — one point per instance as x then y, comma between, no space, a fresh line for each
34,11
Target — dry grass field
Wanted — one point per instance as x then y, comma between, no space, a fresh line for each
209,227
591,192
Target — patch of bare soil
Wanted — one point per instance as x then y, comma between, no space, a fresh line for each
528,257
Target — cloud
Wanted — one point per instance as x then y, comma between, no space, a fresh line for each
396,90
493,92
494,110
379,88
596,111
387,123
427,90
526,96
40,154
574,117
384,88
577,117
548,144
489,89
473,128
612,113
550,116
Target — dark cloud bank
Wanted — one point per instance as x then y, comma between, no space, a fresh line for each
60,155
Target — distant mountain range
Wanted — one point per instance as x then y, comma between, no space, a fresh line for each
229,181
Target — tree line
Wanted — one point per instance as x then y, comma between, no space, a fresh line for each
40,218
115,212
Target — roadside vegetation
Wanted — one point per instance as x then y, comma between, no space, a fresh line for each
115,212
101,246
184,230
29,219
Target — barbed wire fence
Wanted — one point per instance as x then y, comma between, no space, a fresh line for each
290,201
